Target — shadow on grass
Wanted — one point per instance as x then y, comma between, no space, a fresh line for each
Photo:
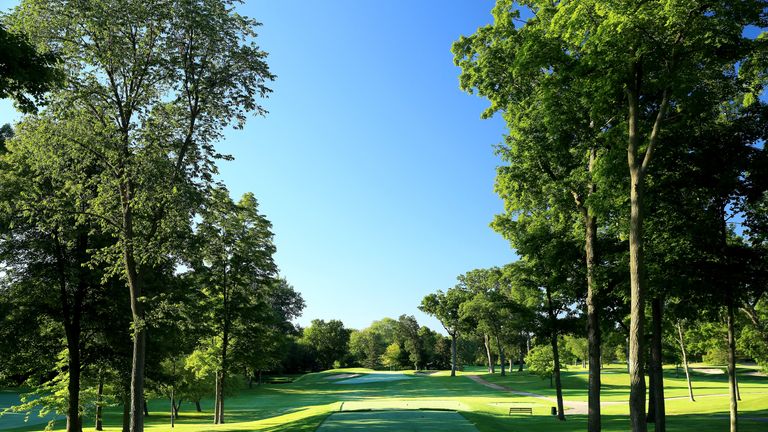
715,422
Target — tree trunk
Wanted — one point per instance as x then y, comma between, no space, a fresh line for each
734,406
522,357
650,416
217,395
453,354
556,355
502,360
127,410
173,409
657,369
593,318
216,398
491,365
146,409
137,309
224,345
99,393
197,406
685,360
71,314
73,388
637,290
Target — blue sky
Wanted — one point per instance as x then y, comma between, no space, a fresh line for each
374,168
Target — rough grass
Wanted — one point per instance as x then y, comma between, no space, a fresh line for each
304,404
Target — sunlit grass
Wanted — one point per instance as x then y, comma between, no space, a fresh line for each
304,404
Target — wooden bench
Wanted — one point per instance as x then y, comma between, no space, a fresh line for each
520,410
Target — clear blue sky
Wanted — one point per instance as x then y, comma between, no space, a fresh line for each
374,168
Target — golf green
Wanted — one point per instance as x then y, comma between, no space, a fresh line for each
401,421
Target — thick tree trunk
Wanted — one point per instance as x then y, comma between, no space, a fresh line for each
657,369
502,360
556,355
73,388
198,408
593,318
453,354
137,309
71,310
127,410
734,406
99,393
491,365
636,277
681,341
146,409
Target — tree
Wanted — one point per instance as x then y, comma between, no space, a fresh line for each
47,242
155,84
587,46
367,347
329,339
445,307
489,307
236,267
391,356
541,362
410,342
557,136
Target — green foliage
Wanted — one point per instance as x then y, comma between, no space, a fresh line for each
330,341
391,356
26,74
541,361
367,346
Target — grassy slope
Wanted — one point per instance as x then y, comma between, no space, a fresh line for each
304,404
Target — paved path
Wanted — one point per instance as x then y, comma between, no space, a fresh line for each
581,407
576,407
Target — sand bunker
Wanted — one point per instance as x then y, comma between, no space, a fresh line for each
710,371
342,376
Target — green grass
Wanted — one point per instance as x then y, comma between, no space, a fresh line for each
303,405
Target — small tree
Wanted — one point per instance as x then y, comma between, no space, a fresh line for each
391,356
541,362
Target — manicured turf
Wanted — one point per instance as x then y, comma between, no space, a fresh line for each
374,377
17,420
308,402
397,421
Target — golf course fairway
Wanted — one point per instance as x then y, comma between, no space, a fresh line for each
366,400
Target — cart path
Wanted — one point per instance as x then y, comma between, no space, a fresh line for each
581,407
576,407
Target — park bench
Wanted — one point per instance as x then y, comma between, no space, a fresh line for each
520,410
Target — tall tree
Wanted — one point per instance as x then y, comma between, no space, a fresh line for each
557,136
237,270
156,82
445,306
